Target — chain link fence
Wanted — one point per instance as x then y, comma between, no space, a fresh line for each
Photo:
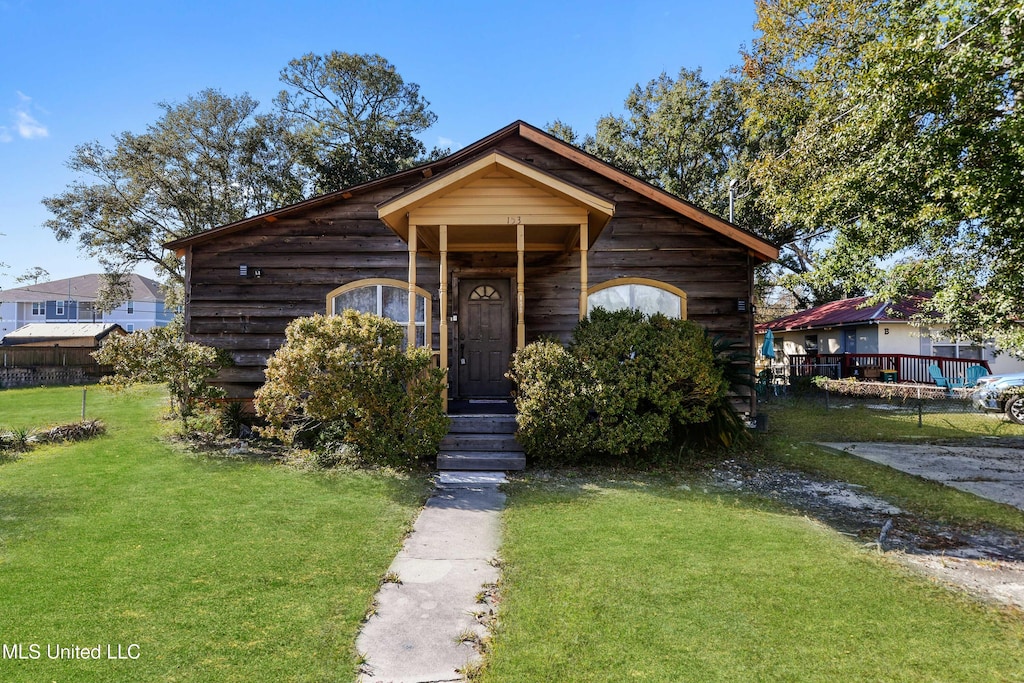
909,410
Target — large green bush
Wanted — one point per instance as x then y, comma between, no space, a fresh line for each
656,375
627,388
554,401
348,376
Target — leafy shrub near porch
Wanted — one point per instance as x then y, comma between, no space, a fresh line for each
554,399
628,386
656,376
347,376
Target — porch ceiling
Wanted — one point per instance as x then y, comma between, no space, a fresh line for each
483,201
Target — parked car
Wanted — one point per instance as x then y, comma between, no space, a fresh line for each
995,394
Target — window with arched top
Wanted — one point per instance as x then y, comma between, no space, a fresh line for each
642,294
485,293
387,298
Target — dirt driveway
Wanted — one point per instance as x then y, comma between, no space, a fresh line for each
996,473
985,561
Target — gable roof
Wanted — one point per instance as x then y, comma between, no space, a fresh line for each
847,312
757,246
37,332
80,288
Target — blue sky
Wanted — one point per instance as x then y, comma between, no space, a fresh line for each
71,72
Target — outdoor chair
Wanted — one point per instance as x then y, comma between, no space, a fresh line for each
940,380
974,373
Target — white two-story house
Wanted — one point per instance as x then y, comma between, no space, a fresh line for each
72,300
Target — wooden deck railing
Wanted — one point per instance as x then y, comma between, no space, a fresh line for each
908,367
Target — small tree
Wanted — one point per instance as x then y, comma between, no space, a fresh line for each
161,355
348,375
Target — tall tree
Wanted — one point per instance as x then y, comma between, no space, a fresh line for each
353,117
207,161
905,134
682,134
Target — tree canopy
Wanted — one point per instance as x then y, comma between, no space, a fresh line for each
215,159
353,118
902,143
207,161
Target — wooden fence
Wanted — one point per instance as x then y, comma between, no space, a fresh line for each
50,357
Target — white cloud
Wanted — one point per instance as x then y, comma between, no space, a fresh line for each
26,125
443,142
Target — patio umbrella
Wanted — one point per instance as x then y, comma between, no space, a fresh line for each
768,348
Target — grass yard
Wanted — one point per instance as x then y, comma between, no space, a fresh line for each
219,570
650,582
810,420
795,425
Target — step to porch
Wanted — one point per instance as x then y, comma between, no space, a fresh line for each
483,443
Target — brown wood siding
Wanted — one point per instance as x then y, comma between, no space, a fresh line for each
303,258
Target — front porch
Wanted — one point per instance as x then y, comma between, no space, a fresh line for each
495,205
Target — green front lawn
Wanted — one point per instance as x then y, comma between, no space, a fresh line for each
220,570
649,582
793,424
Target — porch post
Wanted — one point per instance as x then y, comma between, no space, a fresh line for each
520,286
584,245
412,286
443,243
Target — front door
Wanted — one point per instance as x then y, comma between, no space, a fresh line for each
485,339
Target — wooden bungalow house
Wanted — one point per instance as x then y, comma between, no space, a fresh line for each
510,239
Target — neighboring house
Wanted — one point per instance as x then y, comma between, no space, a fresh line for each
850,326
71,300
509,240
62,335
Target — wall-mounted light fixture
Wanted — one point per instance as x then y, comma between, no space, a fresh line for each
248,271
742,305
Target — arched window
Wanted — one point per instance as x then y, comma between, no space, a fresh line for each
649,296
387,298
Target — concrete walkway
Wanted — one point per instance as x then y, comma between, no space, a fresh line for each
419,633
992,472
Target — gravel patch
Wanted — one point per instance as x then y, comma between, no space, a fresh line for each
986,562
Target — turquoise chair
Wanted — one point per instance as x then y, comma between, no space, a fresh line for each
940,380
974,373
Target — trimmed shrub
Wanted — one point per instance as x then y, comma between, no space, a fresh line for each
629,388
554,400
656,375
349,373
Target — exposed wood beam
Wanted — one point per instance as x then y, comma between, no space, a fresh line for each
584,276
443,296
412,286
520,286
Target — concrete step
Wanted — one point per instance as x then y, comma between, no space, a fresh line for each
481,461
480,442
482,424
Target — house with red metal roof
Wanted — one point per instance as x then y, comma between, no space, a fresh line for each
858,329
